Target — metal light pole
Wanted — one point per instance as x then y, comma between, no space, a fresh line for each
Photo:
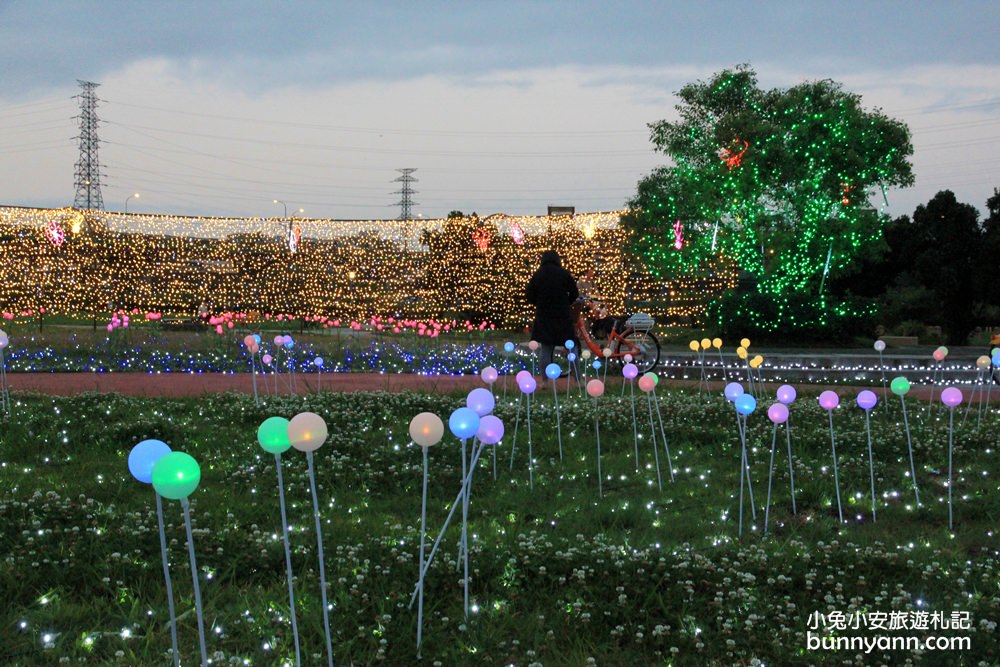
134,195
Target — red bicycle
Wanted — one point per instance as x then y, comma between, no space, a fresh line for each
632,337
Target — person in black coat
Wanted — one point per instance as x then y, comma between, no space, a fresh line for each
551,291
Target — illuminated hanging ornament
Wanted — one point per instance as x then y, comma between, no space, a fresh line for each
294,237
846,198
678,235
55,233
733,156
517,234
482,237
76,222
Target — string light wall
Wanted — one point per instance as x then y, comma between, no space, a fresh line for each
92,263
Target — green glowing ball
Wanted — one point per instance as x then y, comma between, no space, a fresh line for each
176,475
900,386
273,435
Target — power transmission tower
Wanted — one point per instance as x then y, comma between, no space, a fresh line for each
88,168
406,201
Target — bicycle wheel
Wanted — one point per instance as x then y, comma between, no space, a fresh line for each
643,347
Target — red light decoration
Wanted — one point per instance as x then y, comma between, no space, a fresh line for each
517,234
733,156
482,238
846,199
678,235
55,233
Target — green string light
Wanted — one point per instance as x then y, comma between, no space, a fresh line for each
772,184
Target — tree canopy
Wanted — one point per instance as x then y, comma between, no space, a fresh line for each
775,184
935,269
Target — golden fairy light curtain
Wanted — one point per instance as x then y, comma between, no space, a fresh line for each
92,262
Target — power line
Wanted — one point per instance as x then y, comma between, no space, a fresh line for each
381,130
936,108
386,151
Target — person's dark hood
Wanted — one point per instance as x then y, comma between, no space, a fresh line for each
551,257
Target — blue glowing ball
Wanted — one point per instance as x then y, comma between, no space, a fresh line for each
596,364
571,357
570,345
144,456
996,359
745,404
508,346
733,390
552,371
463,423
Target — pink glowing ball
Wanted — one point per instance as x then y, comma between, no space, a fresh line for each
489,375
778,413
532,345
867,399
630,371
628,358
279,340
595,388
647,384
786,394
828,400
249,340
938,355
490,430
267,359
952,397
521,376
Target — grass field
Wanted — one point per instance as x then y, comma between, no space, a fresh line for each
560,576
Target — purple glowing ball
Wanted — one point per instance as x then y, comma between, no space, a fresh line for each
786,394
952,397
480,401
828,400
778,413
630,371
867,400
527,385
733,390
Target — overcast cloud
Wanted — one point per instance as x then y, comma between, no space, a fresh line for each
221,107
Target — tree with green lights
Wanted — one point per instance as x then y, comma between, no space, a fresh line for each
772,183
